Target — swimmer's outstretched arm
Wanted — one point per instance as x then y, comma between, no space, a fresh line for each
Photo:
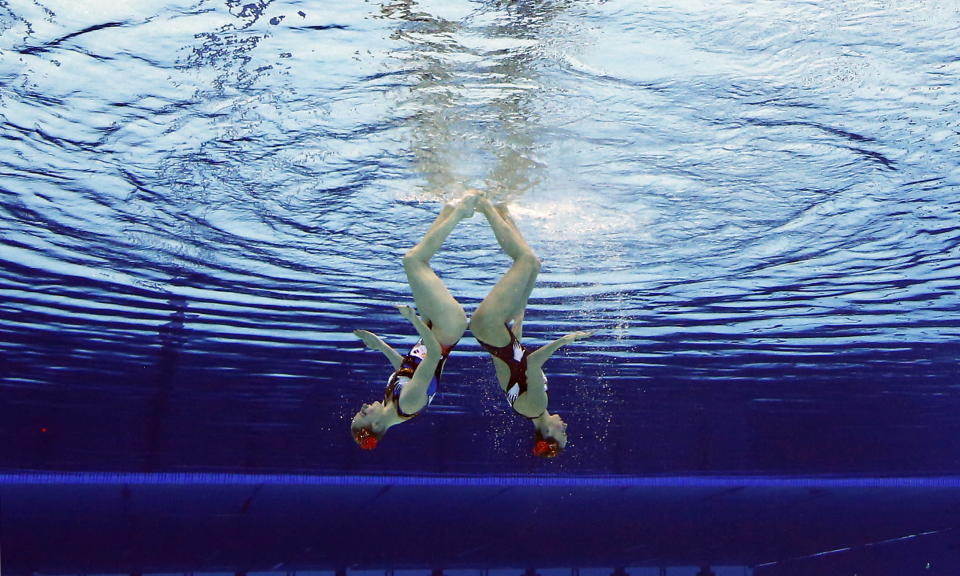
539,357
376,343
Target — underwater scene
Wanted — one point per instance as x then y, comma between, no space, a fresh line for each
669,287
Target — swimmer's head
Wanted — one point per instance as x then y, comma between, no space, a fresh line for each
368,426
550,437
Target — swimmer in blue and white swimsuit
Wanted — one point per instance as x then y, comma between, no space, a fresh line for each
440,325
404,374
519,371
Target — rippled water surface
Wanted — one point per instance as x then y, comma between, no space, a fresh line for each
756,205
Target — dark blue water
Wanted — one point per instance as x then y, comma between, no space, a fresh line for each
757,208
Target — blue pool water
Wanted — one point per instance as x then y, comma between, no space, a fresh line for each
755,205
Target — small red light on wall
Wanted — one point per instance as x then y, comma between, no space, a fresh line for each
44,429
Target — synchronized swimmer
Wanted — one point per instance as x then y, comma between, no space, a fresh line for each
496,325
440,325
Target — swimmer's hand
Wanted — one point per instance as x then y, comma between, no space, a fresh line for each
376,343
407,312
574,336
539,356
370,339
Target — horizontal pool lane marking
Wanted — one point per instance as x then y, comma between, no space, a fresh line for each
205,478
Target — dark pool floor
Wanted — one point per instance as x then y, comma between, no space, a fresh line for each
205,523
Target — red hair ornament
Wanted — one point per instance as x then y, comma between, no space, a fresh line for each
366,439
541,448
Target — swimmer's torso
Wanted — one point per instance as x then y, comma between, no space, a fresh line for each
513,374
403,375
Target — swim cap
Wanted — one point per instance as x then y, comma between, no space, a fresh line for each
546,448
541,447
366,439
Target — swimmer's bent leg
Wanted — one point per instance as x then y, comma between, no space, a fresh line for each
434,301
507,301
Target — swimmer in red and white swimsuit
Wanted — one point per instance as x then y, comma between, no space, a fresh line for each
440,325
497,325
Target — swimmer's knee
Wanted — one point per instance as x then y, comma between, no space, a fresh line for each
412,259
483,322
450,325
457,314
462,323
536,261
529,260
479,318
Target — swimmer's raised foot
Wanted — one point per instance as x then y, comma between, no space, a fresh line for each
467,205
485,206
500,209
